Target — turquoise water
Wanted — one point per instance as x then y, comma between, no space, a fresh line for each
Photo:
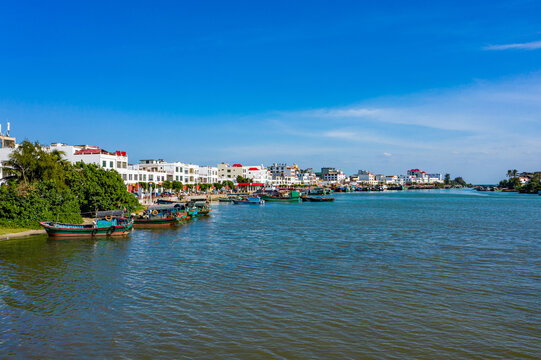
424,275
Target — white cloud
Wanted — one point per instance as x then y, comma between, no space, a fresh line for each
387,154
340,134
525,46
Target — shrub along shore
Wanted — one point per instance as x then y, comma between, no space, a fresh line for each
44,187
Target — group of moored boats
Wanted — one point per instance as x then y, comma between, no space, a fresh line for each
120,222
281,196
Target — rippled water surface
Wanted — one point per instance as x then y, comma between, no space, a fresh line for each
425,275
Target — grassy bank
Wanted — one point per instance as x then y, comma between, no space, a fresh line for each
11,230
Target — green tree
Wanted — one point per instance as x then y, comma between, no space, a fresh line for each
97,188
533,186
167,185
241,179
460,181
30,162
204,187
176,185
26,206
229,183
447,179
218,186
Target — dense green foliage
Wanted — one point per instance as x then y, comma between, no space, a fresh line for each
218,186
97,188
241,179
25,206
44,187
229,183
204,187
533,186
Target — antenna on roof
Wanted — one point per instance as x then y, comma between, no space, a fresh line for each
0,129
8,129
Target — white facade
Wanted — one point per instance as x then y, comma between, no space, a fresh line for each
208,174
258,173
176,171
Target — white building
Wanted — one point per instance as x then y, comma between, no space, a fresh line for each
176,171
208,174
7,145
366,177
283,174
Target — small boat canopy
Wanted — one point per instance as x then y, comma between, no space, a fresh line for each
165,207
200,203
105,213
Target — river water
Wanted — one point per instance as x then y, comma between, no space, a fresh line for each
395,275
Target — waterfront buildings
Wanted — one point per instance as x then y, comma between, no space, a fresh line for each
156,171
332,175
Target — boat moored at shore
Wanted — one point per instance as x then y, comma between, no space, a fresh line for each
108,226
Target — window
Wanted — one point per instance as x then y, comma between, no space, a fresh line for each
124,177
104,163
135,177
111,164
119,165
130,177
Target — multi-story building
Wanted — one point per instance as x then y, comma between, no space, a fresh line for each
90,154
176,171
208,174
435,177
366,177
332,175
283,174
307,177
258,173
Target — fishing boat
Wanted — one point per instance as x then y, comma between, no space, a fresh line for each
203,208
277,196
160,215
109,223
317,198
256,200
319,191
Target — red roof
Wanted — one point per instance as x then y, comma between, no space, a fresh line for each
253,169
237,165
91,151
415,170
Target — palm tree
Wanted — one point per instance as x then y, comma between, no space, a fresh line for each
509,173
514,172
22,162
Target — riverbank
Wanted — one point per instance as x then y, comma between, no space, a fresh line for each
10,233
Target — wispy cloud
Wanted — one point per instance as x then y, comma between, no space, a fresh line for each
532,45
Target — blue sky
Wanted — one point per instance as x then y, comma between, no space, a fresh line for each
385,86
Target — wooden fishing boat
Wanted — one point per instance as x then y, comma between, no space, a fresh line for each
249,201
293,196
109,226
160,215
317,198
203,208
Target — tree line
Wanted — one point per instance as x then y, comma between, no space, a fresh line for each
42,186
533,186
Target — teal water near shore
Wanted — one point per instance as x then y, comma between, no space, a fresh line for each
423,274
